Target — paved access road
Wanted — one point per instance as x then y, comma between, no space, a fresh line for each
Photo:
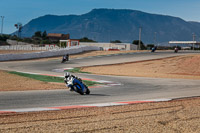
126,88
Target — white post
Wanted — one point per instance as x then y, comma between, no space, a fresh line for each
2,17
193,40
140,31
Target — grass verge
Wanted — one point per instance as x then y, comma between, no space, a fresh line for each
76,70
45,78
90,83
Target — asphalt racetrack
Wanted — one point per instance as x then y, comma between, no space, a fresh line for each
122,88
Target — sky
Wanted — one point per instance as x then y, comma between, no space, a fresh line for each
23,11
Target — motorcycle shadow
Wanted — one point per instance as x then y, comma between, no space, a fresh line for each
69,62
98,95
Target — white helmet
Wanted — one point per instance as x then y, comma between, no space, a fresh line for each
67,74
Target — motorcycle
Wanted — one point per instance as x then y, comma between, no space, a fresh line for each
153,49
65,58
176,50
76,84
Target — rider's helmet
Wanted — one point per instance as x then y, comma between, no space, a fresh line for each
67,74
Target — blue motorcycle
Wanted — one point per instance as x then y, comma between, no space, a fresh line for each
153,49
76,84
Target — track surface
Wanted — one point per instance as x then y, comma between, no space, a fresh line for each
131,88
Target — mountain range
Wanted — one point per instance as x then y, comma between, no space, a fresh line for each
104,25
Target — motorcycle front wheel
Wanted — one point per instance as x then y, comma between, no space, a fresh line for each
87,92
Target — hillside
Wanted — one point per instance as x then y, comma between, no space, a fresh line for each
115,24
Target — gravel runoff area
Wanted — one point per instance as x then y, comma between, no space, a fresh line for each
177,116
181,115
182,67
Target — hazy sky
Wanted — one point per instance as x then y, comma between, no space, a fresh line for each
25,10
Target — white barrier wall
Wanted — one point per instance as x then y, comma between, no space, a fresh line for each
14,42
44,54
15,45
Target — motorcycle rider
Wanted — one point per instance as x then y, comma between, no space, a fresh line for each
154,49
67,78
75,80
176,49
65,58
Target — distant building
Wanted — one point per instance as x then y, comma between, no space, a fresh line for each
69,42
58,36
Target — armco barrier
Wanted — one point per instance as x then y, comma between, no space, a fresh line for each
44,54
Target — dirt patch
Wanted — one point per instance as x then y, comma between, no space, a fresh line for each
183,67
96,53
12,82
180,116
